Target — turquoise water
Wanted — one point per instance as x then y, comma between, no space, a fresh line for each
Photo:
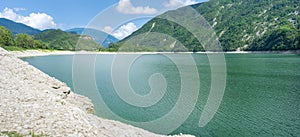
262,95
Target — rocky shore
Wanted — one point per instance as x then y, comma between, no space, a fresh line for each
33,53
32,101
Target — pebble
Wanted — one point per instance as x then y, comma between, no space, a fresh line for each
32,101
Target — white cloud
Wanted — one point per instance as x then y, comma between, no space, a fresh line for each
126,7
124,30
107,29
179,3
19,9
36,20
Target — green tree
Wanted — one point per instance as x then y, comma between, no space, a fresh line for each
238,24
39,44
114,46
282,38
60,40
24,41
6,37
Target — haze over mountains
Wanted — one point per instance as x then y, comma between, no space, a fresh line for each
59,39
100,37
18,28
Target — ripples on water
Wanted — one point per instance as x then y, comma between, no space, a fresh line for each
262,96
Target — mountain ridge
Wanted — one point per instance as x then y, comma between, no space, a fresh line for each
61,40
18,28
100,37
240,25
18,36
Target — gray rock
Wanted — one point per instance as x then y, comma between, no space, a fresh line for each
31,101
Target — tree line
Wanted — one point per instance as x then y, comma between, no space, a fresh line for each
20,41
48,39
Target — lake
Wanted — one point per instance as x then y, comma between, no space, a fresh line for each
261,98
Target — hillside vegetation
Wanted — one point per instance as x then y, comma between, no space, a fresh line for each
254,25
19,42
18,28
48,39
60,40
100,37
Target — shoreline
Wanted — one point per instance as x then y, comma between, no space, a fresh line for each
35,53
37,89
32,101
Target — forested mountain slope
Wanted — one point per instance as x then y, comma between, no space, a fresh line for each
18,28
247,25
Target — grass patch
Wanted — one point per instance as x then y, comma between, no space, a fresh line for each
11,134
13,48
47,50
37,135
15,134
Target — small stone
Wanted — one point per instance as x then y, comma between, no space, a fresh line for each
56,87
31,102
67,92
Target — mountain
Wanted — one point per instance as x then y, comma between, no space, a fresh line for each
18,28
61,40
99,36
247,25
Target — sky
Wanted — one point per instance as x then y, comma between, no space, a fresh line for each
117,17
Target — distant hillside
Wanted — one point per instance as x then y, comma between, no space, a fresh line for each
61,40
247,25
18,28
100,37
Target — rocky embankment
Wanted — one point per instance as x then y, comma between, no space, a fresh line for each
32,101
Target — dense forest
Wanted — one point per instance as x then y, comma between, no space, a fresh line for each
48,39
61,40
19,42
251,25
240,25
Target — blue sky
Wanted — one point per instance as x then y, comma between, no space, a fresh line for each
66,14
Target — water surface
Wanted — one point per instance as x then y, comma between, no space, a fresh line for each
262,96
